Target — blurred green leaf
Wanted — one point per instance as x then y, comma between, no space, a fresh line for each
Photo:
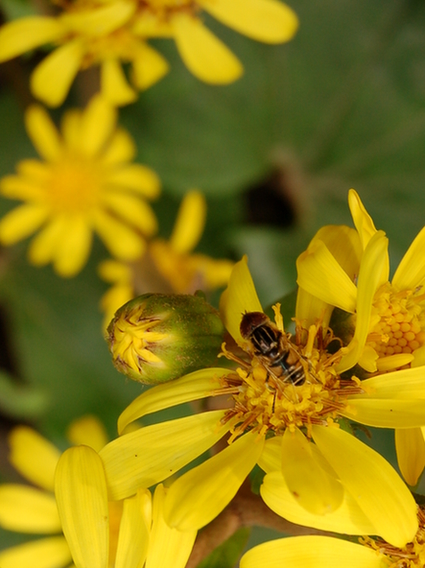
227,554
21,402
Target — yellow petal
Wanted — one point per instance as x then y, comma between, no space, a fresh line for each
73,251
28,510
44,553
310,480
362,220
96,127
121,148
114,271
52,78
153,453
190,222
100,21
410,446
203,53
149,66
33,456
179,543
43,133
193,386
389,363
88,430
271,457
320,274
387,413
43,247
81,495
309,310
21,222
348,518
114,85
311,552
21,187
133,537
373,483
24,34
137,178
199,495
411,270
264,20
239,297
122,241
401,384
133,210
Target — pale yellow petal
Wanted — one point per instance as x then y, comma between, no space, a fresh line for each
122,241
190,222
199,495
115,271
239,297
138,178
113,83
24,34
401,384
44,553
193,386
52,78
270,21
153,453
344,244
21,222
374,484
362,220
28,510
149,66
348,518
43,133
133,210
410,446
97,124
203,53
386,413
179,543
411,270
88,430
33,456
133,537
311,552
121,148
385,364
309,310
81,495
73,250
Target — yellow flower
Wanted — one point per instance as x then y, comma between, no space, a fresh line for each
86,184
269,21
140,534
388,316
167,266
87,32
32,508
274,416
329,552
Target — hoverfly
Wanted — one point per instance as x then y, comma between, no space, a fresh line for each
272,348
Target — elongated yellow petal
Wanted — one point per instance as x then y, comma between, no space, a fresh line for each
197,497
312,483
411,270
22,187
193,386
203,53
190,222
43,553
96,126
44,245
21,222
309,310
271,456
362,219
133,538
28,510
348,518
43,133
89,431
121,240
100,21
401,384
52,78
387,413
264,20
81,495
138,178
311,552
73,250
120,149
114,84
239,297
410,446
320,274
132,209
153,453
179,543
373,483
19,36
33,456
344,244
149,66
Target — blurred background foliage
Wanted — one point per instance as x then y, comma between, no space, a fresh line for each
340,106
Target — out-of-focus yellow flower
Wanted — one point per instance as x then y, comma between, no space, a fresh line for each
85,185
273,420
86,33
32,508
387,318
167,266
269,21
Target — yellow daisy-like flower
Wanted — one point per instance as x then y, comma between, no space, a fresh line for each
329,552
389,336
139,533
167,266
86,33
269,21
284,415
32,508
85,185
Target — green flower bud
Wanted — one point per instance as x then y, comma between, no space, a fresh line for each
158,337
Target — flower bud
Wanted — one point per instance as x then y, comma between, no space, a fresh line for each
158,337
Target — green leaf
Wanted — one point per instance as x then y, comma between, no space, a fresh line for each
228,553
